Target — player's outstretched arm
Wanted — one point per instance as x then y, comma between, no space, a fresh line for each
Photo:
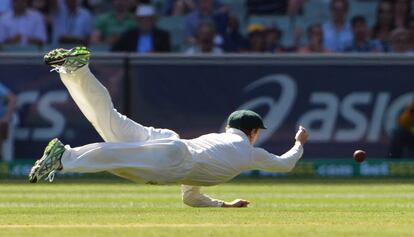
286,162
192,197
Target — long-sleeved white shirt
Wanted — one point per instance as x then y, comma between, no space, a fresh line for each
219,157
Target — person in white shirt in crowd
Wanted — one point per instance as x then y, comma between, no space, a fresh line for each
153,155
338,31
22,25
205,40
8,122
72,23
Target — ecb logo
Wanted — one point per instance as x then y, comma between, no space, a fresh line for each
325,108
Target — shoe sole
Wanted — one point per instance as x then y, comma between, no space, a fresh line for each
39,164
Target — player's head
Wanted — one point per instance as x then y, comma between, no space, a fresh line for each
205,36
247,121
359,27
146,17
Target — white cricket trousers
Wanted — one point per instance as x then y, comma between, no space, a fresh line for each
132,151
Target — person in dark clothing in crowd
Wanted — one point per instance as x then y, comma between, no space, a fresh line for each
272,40
402,13
255,39
384,24
146,38
233,41
361,42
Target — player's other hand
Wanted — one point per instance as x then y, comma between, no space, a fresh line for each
301,135
236,203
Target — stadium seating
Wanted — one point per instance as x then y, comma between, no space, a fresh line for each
316,11
176,26
237,8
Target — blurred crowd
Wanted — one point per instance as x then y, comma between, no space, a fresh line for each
204,26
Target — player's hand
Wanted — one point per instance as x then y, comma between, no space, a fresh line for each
301,135
236,203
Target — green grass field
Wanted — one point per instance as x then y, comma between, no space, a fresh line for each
279,207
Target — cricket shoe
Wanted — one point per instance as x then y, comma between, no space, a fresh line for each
49,163
67,60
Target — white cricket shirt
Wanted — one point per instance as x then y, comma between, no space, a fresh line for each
219,157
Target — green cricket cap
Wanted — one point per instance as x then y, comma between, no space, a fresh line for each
246,119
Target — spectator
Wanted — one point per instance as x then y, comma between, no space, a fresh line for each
22,25
403,135
315,40
400,41
110,26
179,7
384,24
255,39
205,12
43,7
7,122
146,37
411,32
72,24
361,43
337,32
205,40
5,6
233,40
402,9
272,38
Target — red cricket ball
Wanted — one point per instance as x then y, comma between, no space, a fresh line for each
359,156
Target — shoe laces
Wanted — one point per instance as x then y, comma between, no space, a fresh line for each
51,176
59,69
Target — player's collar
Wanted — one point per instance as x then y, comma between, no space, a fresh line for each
238,132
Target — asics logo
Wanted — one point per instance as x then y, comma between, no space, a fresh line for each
279,108
328,116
